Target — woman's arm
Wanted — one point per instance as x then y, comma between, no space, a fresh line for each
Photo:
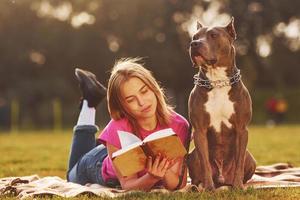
171,178
156,172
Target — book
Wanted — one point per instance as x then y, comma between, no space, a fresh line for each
132,157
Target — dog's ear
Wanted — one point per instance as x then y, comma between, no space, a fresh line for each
230,29
199,25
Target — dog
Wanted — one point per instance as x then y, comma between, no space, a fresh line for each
220,109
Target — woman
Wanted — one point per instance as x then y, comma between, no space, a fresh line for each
136,103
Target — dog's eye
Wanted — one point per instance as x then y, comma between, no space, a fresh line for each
195,37
213,35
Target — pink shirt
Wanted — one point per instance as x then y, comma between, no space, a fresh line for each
109,135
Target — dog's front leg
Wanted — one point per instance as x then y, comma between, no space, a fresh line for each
241,142
201,143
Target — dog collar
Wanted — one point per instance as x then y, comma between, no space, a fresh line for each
218,83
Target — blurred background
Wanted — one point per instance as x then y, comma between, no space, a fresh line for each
43,41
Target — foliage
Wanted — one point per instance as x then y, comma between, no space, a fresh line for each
43,41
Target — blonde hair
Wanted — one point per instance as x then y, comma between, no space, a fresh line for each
123,70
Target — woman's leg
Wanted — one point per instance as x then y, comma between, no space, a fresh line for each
84,134
81,163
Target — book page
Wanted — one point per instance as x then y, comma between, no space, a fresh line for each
169,146
159,134
127,139
131,162
127,148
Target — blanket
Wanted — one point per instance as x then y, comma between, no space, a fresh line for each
271,176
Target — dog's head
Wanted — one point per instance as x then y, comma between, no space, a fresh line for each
213,47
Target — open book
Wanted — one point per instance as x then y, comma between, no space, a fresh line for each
132,157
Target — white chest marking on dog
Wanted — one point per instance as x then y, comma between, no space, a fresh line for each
218,105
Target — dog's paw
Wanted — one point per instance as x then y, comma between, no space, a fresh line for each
238,184
208,185
223,188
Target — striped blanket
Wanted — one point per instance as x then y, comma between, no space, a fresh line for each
272,176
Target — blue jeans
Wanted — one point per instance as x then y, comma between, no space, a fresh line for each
85,162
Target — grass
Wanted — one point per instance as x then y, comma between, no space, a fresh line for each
46,153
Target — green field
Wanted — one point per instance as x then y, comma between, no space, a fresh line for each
46,154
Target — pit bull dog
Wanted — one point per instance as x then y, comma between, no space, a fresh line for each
220,109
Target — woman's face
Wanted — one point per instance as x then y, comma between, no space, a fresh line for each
139,100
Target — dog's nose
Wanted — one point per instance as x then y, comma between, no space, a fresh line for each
195,44
212,61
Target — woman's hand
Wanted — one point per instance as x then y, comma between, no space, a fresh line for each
171,178
159,167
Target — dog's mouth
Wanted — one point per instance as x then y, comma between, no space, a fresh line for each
198,59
